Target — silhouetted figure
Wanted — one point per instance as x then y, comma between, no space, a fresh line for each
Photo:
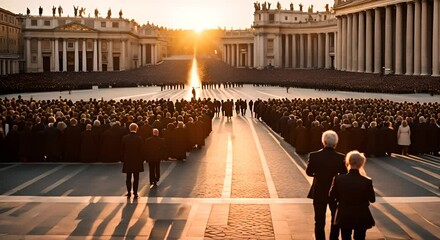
40,11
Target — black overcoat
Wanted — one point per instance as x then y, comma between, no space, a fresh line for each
131,148
353,193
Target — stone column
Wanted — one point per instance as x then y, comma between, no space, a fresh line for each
110,55
425,70
349,42
286,51
100,55
338,54
123,53
309,51
302,52
369,42
39,56
344,44
233,52
320,51
388,38
354,39
256,65
327,58
237,57
276,50
84,55
95,55
56,55
76,47
249,55
409,70
377,42
223,52
417,37
28,54
435,39
157,55
144,54
399,38
64,55
294,51
361,46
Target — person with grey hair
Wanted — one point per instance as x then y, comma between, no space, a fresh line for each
354,192
132,159
323,166
404,137
154,152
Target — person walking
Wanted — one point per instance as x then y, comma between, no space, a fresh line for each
132,159
323,166
354,192
154,151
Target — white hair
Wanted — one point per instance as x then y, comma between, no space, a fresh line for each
329,139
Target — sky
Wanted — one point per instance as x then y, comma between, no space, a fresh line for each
177,14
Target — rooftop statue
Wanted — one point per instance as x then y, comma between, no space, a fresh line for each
291,6
96,12
278,6
54,9
257,6
40,11
264,6
301,7
327,8
268,6
28,11
82,11
120,14
109,13
75,10
60,11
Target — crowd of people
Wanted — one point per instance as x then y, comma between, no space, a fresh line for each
376,127
91,131
213,72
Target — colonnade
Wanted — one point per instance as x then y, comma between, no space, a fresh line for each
9,66
239,55
402,38
311,50
102,58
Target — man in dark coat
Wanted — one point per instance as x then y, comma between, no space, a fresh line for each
52,138
72,145
323,166
133,164
154,152
354,192
111,144
89,145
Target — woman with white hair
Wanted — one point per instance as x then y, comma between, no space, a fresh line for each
354,192
404,137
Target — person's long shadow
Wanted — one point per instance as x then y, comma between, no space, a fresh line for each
126,216
87,216
169,220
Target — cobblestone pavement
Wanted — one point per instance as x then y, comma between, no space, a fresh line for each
244,222
246,183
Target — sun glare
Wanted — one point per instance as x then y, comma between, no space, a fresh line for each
194,78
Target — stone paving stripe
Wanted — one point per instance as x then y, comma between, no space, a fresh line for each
171,200
32,181
271,95
270,184
434,175
167,172
227,185
418,181
8,167
63,180
137,95
303,172
418,160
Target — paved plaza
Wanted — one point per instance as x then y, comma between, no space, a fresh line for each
246,183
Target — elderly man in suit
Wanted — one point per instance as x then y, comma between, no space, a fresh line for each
132,159
154,151
323,166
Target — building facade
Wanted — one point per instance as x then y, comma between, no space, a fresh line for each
372,36
60,44
10,43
